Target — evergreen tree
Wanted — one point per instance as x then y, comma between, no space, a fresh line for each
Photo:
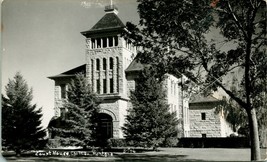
21,120
77,124
149,121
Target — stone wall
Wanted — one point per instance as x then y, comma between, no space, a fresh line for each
211,126
57,93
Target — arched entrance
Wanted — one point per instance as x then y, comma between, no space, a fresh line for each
105,126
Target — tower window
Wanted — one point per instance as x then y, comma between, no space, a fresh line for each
116,40
104,64
98,43
204,135
203,116
97,64
110,41
104,42
111,63
93,43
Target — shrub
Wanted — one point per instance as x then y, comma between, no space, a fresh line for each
170,142
116,142
53,143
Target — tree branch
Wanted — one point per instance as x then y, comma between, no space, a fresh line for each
238,100
236,20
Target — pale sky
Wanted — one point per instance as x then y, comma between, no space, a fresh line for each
41,38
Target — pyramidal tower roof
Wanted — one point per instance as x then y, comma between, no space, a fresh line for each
109,22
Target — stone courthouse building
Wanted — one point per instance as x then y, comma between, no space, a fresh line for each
111,67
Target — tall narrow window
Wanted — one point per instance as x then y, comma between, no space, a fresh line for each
98,43
110,41
174,88
92,71
116,40
111,85
104,64
63,91
93,43
98,86
104,86
203,116
110,63
97,64
118,72
104,42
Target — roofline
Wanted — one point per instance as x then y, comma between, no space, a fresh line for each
205,101
97,31
60,76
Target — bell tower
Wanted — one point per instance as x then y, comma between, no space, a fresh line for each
108,54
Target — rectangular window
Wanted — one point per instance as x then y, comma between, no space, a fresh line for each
63,91
98,40
110,41
203,116
204,135
98,86
111,85
104,64
97,64
116,40
93,43
110,63
104,86
104,42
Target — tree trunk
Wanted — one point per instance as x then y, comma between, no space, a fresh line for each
254,135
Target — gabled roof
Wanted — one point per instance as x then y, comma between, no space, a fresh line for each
109,22
70,73
202,99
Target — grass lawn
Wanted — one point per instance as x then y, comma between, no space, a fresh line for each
164,154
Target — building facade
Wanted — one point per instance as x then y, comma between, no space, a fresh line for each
205,120
111,68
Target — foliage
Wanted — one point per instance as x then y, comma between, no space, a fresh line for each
117,142
21,121
231,110
207,40
76,125
149,122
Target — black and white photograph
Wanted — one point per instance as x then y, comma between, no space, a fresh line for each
133,80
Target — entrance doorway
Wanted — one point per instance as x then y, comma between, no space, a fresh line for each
105,126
